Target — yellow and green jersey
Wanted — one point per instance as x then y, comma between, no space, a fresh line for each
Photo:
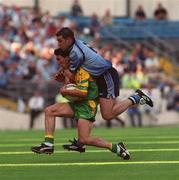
86,83
87,108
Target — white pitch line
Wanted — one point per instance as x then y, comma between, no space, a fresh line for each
90,163
127,142
93,151
152,142
28,139
106,137
22,145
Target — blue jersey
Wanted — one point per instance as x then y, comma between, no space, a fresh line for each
82,55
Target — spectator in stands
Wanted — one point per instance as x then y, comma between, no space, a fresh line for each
36,105
76,9
15,50
20,105
176,100
135,116
94,24
3,79
139,51
141,75
107,19
160,13
132,61
51,29
64,21
151,113
119,120
151,61
173,98
30,71
140,13
45,65
129,80
118,63
168,93
14,74
133,80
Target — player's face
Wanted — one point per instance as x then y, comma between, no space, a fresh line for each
63,62
63,43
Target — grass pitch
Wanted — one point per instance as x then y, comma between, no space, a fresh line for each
154,155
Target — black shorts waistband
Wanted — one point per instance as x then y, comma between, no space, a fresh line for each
108,70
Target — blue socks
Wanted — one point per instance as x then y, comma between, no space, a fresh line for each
135,99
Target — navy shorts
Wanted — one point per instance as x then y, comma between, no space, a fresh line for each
108,84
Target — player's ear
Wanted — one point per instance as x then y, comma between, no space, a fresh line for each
69,41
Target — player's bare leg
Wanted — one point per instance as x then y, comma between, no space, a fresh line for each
110,108
84,131
51,112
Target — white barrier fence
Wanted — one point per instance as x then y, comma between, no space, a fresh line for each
158,116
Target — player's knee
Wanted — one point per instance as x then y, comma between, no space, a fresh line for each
48,111
107,117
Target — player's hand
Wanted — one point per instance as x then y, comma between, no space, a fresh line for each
69,76
60,77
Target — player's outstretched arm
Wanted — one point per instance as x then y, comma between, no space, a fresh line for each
73,92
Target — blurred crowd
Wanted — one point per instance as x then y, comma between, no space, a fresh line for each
28,40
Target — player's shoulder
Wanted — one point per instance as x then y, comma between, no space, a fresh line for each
79,45
79,42
75,51
83,73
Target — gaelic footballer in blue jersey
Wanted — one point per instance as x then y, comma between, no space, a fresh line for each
107,79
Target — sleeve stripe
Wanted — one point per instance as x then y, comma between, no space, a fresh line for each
83,90
82,81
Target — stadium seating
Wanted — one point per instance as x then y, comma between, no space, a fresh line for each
127,28
131,29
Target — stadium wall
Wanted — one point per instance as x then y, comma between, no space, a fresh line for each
117,7
21,3
10,120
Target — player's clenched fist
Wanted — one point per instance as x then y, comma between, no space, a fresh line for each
59,76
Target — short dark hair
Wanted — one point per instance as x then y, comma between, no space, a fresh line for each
58,52
65,32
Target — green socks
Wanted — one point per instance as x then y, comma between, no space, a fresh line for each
114,148
49,140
